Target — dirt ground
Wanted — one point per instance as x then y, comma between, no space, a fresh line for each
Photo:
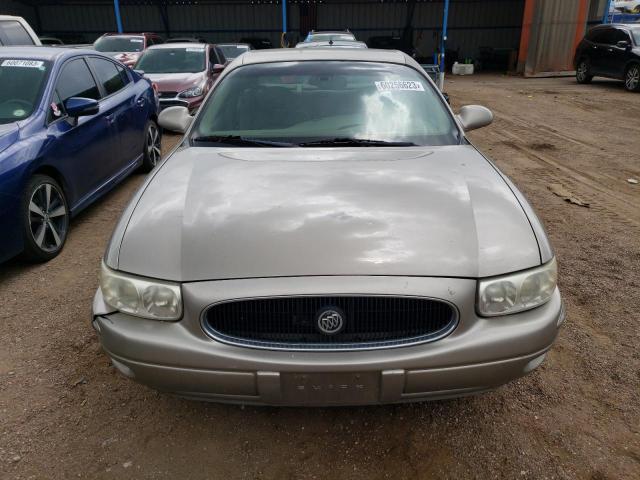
66,413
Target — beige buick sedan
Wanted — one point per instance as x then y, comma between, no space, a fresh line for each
325,234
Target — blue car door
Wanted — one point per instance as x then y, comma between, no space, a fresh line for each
126,109
80,148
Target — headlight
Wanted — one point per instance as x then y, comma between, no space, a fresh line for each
141,297
191,92
518,291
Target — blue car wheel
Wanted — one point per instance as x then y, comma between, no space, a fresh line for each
152,146
45,216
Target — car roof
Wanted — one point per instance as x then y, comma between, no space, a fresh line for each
179,45
332,43
116,34
314,32
185,39
604,26
344,54
44,53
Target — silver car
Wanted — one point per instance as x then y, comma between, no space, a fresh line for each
325,234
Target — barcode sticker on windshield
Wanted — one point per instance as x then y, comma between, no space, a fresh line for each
22,63
195,49
136,40
400,85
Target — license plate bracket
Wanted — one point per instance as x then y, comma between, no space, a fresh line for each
330,388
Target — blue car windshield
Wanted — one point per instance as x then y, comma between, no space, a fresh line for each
21,83
302,102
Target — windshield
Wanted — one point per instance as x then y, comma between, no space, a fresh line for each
303,102
21,83
119,44
325,37
232,51
172,60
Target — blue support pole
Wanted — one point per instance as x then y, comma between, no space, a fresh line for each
283,43
284,16
605,17
443,42
116,9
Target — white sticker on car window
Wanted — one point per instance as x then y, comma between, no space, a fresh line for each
137,40
195,49
400,85
23,63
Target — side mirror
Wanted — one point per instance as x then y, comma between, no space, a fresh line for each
623,44
81,107
140,72
474,116
217,68
175,119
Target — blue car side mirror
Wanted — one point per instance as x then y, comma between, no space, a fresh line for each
81,107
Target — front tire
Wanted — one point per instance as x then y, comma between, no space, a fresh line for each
632,78
583,72
152,146
45,219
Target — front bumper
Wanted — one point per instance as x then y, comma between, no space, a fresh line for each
179,357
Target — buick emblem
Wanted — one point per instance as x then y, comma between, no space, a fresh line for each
330,320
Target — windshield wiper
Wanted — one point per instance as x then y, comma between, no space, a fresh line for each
239,140
355,142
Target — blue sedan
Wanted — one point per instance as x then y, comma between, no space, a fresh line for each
73,123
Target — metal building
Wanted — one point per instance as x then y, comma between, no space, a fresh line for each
532,36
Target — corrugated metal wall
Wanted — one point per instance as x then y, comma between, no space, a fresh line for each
550,33
12,7
472,23
556,27
223,21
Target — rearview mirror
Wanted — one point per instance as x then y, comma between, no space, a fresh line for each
623,44
81,107
474,116
175,119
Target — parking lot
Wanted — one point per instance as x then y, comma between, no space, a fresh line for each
578,416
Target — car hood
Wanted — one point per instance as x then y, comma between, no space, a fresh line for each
240,213
9,134
175,82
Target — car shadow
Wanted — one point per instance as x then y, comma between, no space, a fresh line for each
612,85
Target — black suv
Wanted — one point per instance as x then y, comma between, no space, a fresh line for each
611,51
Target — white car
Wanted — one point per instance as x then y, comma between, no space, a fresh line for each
16,31
627,6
